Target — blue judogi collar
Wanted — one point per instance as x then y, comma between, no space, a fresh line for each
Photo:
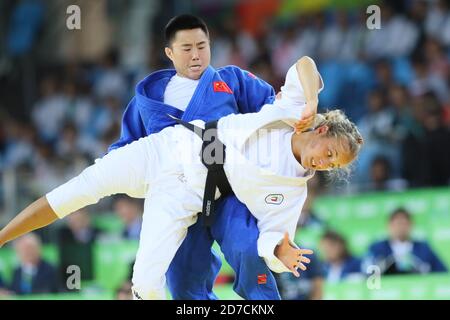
219,93
150,95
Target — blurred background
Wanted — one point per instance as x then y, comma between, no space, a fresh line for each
383,234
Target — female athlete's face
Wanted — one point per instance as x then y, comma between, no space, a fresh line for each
323,153
190,53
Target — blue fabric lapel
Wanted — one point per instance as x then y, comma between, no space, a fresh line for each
150,94
149,97
198,99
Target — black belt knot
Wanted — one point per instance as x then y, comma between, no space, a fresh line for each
215,177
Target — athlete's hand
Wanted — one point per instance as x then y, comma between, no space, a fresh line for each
292,257
308,117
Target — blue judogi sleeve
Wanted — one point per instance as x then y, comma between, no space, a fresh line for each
251,92
132,126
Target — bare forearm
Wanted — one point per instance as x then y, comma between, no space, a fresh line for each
309,78
37,215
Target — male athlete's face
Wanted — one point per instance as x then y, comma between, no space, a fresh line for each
190,53
323,153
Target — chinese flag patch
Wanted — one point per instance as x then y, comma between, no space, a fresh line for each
220,86
262,278
251,75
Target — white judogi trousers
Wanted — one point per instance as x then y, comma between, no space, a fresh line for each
170,208
150,168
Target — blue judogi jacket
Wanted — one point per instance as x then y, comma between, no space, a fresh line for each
219,93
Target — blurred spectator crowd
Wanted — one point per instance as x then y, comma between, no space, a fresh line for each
396,252
63,93
76,240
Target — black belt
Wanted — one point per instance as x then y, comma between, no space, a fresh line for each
215,177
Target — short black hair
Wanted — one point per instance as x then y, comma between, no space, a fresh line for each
400,212
183,22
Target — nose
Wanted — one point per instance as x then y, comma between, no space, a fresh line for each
195,55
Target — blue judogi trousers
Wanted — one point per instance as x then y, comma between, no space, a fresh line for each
195,267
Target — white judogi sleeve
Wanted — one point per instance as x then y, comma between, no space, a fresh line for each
285,217
123,170
255,188
292,93
235,129
278,219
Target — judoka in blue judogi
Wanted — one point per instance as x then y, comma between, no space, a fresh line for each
217,93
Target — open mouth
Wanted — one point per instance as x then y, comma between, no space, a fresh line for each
196,67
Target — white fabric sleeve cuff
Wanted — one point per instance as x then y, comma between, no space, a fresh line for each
267,243
69,197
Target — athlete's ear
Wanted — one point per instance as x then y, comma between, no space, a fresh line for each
169,53
322,129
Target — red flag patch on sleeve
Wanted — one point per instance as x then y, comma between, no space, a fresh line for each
262,278
251,75
220,86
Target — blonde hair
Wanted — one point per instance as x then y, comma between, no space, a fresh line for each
339,126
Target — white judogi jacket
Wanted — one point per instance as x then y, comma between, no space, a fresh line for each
276,201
